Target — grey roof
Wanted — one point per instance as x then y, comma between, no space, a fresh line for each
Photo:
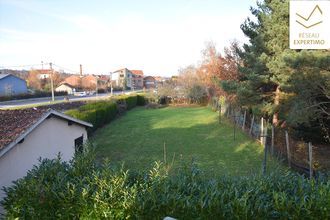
3,75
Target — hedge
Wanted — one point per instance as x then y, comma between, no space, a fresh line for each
131,101
98,113
141,100
37,94
83,189
102,112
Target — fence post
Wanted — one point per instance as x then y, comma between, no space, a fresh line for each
243,126
262,130
251,127
273,134
310,154
288,147
234,125
264,164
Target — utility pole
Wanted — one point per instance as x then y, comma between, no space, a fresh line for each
96,85
51,81
111,83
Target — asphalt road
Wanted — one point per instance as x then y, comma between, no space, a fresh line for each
45,100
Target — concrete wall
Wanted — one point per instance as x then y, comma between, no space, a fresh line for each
11,85
52,136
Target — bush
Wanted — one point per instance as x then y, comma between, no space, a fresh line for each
102,112
131,101
82,189
197,94
141,100
97,113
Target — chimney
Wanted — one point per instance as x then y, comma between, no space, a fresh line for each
80,70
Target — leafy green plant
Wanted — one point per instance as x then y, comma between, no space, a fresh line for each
83,189
97,113
141,100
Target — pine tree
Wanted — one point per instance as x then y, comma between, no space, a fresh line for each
291,85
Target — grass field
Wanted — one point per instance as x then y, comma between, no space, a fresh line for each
137,140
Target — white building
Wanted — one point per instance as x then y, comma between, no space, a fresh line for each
120,76
28,134
65,87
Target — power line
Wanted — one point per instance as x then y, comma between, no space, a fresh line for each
64,68
39,65
20,66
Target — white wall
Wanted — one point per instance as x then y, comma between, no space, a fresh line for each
52,136
64,88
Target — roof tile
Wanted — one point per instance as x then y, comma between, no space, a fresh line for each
14,123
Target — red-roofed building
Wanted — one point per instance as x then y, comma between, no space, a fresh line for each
74,81
149,82
137,72
137,79
28,134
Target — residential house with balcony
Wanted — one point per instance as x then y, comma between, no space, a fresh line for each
137,79
122,78
149,82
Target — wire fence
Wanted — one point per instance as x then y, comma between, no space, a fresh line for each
307,158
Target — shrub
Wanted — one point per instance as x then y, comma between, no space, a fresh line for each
197,94
96,113
131,101
141,100
102,112
83,189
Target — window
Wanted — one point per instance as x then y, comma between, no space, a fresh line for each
78,144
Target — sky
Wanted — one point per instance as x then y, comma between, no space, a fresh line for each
157,36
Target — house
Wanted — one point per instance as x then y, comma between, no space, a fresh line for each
65,87
149,82
122,78
88,82
28,134
44,73
12,85
74,81
137,79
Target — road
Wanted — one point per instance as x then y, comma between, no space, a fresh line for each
46,100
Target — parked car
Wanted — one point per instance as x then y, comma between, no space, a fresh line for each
80,93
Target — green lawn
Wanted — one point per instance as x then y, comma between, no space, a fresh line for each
137,140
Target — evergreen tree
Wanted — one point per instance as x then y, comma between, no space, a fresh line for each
291,85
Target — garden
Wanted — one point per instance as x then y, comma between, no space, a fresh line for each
173,161
177,135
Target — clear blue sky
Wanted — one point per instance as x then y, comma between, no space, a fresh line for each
157,36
